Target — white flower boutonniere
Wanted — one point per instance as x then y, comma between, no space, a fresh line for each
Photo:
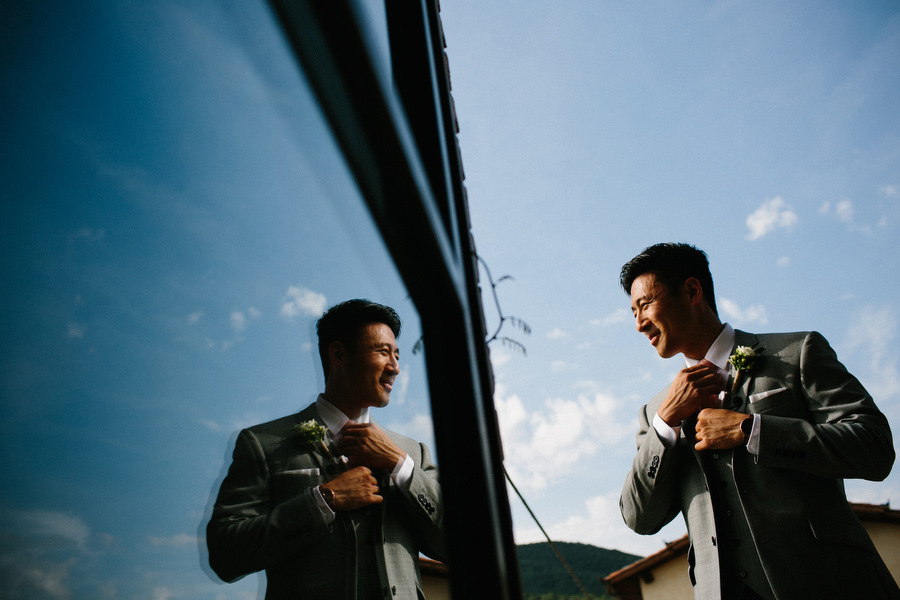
313,433
743,360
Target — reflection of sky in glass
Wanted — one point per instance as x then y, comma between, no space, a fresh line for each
175,217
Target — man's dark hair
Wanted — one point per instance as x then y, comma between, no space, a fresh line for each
343,323
673,264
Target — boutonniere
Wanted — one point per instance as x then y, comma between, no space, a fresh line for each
312,433
743,360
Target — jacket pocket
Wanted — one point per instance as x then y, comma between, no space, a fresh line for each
779,402
840,531
288,484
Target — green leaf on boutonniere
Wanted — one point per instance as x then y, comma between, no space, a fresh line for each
743,359
313,433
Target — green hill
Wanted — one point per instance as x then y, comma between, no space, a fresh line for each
544,577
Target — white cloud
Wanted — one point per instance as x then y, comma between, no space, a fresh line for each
620,315
558,366
542,446
300,301
773,214
557,334
601,525
842,211
889,190
784,261
754,314
195,317
240,319
872,332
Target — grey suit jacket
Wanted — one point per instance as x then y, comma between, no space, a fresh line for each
266,517
821,427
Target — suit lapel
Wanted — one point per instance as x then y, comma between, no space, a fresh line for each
326,465
742,338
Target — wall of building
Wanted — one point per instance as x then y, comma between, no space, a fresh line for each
886,537
670,582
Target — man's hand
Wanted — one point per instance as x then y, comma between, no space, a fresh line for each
694,388
368,445
719,429
353,489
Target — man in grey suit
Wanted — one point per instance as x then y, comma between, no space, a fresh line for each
331,505
752,450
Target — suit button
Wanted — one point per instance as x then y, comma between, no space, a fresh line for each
716,455
743,574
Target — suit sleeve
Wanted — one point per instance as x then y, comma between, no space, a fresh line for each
842,434
247,531
650,498
424,502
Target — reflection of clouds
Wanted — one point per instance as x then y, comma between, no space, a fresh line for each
541,446
38,550
299,300
240,319
53,525
180,540
88,235
75,331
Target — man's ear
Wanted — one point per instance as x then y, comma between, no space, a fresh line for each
336,353
694,290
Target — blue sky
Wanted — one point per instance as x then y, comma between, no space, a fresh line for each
765,133
176,217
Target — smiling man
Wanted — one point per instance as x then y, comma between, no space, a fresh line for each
751,443
331,505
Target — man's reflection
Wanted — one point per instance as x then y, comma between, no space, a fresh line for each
327,502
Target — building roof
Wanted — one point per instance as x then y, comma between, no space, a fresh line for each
624,582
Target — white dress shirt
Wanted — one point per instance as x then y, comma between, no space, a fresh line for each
718,354
334,420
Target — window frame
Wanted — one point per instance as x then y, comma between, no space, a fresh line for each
399,140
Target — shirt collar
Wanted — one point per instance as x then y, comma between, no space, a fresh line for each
333,418
720,350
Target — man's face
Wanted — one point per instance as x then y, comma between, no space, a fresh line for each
660,314
372,364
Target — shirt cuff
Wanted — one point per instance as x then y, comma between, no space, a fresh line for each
403,471
667,435
753,440
327,514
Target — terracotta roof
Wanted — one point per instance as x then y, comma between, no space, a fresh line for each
623,583
433,568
